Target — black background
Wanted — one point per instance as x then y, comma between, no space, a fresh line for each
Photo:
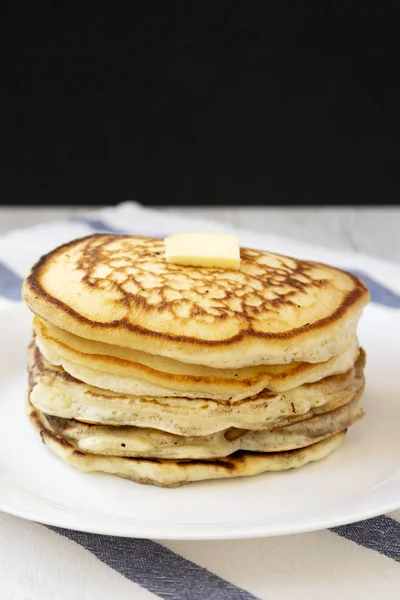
199,103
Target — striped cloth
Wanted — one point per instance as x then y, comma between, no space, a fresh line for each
38,562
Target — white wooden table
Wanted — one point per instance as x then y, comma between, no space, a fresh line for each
374,231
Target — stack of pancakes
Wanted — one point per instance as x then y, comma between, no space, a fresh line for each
167,374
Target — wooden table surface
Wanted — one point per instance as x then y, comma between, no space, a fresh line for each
374,231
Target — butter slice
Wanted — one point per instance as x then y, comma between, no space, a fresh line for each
218,250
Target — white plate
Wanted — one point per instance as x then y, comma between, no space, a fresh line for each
360,480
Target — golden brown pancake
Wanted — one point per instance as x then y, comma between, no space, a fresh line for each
120,290
133,372
173,473
152,443
56,393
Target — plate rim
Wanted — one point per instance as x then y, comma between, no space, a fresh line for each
205,532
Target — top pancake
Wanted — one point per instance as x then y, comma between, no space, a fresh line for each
120,290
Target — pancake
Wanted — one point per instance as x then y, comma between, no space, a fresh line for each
120,290
56,393
174,473
152,443
133,372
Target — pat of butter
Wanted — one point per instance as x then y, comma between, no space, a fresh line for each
219,250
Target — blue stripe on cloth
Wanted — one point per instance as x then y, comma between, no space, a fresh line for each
380,294
381,534
156,568
10,283
100,226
